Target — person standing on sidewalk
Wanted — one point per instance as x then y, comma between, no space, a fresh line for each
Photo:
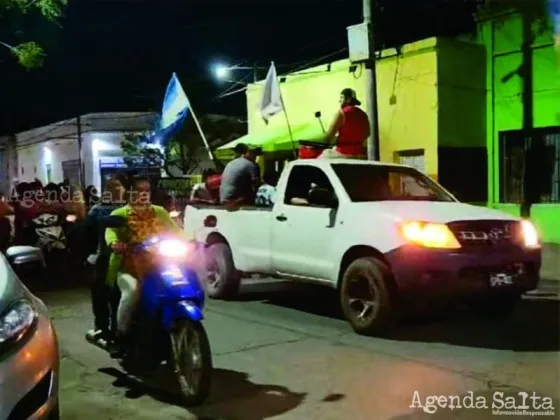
103,299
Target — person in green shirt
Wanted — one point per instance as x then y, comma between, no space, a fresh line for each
143,221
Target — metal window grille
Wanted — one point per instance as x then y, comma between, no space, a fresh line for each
530,166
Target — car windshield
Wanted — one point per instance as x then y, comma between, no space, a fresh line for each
365,183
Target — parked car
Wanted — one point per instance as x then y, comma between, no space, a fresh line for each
383,235
29,354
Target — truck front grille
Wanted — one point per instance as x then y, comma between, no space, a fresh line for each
486,234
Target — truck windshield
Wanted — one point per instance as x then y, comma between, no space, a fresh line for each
365,183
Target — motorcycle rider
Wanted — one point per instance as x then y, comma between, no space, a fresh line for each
5,224
143,220
102,300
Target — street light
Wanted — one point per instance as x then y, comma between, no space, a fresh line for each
222,72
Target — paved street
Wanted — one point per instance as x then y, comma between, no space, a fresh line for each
288,356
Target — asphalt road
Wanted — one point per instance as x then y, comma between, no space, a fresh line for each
289,355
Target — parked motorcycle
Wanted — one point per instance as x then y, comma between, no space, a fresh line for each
167,325
49,232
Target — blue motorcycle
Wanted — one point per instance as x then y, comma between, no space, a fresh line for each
167,326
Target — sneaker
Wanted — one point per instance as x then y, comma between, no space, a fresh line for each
100,337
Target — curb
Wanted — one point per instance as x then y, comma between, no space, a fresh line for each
549,285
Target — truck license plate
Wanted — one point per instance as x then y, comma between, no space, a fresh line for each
501,279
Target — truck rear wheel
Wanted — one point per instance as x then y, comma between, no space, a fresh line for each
222,281
366,298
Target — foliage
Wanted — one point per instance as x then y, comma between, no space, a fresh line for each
30,54
185,151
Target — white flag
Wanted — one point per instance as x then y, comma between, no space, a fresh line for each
271,101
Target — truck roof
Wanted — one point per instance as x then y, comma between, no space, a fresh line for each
322,163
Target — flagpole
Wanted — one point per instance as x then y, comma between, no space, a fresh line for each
286,115
210,155
288,122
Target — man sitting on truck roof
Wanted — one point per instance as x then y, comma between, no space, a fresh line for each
241,178
350,128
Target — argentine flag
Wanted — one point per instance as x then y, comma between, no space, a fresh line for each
175,109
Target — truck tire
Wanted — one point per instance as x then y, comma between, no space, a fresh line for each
498,306
366,297
222,279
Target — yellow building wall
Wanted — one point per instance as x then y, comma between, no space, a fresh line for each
407,99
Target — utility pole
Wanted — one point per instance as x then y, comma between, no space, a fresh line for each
371,85
255,73
79,133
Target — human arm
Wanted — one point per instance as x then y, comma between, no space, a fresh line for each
5,209
77,205
335,125
255,175
113,234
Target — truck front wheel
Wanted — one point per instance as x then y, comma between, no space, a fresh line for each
222,280
366,297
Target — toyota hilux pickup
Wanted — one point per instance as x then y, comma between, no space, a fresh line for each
379,233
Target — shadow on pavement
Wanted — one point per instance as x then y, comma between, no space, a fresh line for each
233,395
69,277
465,406
533,327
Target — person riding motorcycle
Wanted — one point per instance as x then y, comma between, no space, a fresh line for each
126,269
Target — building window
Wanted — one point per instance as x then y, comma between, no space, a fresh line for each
414,158
49,172
530,166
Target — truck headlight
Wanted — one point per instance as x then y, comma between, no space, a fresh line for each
530,234
430,235
16,321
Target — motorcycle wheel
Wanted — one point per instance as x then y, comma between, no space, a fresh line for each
191,360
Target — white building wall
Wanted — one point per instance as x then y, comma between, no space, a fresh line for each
33,160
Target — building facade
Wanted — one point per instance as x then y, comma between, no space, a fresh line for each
52,153
523,115
431,107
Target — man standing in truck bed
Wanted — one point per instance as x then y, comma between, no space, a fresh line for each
241,178
350,129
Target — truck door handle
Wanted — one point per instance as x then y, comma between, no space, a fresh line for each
281,218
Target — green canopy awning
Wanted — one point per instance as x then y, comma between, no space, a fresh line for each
275,139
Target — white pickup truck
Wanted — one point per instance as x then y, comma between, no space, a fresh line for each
379,233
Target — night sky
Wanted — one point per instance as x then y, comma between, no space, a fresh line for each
110,55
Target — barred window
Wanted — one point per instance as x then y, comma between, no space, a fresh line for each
530,166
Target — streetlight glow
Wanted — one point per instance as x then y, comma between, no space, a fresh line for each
221,71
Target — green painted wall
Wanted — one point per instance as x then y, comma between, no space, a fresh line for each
461,94
504,108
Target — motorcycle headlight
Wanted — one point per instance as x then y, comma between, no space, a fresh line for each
529,234
16,321
172,248
71,218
